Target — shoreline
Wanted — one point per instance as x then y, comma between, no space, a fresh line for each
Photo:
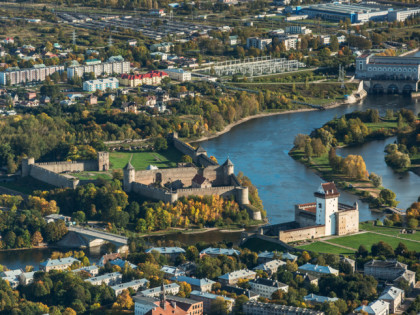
229,127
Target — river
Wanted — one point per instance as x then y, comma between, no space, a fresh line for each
260,149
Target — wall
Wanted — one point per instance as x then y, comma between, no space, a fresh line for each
347,222
224,191
205,161
184,148
75,166
184,174
304,218
154,193
52,178
302,234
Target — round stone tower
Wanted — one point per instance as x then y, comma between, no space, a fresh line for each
129,176
228,169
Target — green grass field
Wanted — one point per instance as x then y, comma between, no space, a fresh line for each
92,175
141,160
389,231
368,239
326,249
386,124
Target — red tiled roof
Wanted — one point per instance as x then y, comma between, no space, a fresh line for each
310,209
199,179
330,188
151,74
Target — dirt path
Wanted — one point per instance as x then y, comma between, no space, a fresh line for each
342,246
389,235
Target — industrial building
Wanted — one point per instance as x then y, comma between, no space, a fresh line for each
402,15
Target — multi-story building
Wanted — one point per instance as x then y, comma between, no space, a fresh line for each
150,78
170,272
208,298
219,251
108,278
318,299
179,75
101,84
267,256
135,285
257,42
101,69
171,289
375,308
402,15
297,29
235,276
171,305
203,285
92,270
26,278
394,296
163,47
266,287
317,270
258,308
270,267
38,73
389,270
170,252
57,264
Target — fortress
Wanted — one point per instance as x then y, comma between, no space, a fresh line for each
324,217
56,173
203,177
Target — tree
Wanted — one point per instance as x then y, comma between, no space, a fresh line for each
334,45
239,302
10,239
160,144
412,223
124,301
36,238
362,251
300,141
219,306
308,149
317,147
382,249
387,198
79,216
376,179
186,159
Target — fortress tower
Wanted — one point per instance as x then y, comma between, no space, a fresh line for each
129,176
26,166
103,161
327,206
228,169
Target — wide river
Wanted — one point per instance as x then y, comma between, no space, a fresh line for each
260,149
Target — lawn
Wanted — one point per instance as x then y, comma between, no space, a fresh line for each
368,239
92,175
141,160
385,124
326,249
258,245
389,231
27,185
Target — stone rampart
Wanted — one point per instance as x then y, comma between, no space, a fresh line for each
302,234
184,148
347,222
205,161
183,174
52,178
73,166
224,191
234,180
154,193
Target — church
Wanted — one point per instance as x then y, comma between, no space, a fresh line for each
324,217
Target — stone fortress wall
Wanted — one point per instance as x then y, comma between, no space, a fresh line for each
54,173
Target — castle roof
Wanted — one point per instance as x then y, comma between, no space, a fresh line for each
328,189
129,166
200,149
228,162
199,179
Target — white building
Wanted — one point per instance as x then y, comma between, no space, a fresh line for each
270,267
135,285
36,74
235,276
402,15
171,289
106,68
374,308
394,296
297,29
266,287
208,298
108,278
257,42
100,84
179,75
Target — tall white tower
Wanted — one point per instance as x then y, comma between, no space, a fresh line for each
326,207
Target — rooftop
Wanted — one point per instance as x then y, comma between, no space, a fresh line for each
269,283
210,296
391,293
58,262
377,307
127,285
159,289
220,251
104,277
319,299
318,268
166,250
238,274
193,281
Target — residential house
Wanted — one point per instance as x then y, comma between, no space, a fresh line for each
171,252
92,99
268,256
251,295
394,296
169,272
203,285
109,279
11,276
172,289
256,42
390,270
135,285
375,308
317,270
132,42
150,78
129,107
208,298
259,308
318,299
107,257
121,263
266,287
57,264
235,276
92,270
166,305
100,84
26,278
163,47
54,217
219,251
270,267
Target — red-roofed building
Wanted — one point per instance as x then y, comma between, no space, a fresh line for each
200,182
150,78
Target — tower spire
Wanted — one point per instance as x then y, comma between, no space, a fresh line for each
162,296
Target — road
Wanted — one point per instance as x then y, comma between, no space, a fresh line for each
101,235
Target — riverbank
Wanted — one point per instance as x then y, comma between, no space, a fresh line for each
228,127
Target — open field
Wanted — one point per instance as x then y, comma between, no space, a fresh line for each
321,247
92,175
368,239
27,185
141,160
390,231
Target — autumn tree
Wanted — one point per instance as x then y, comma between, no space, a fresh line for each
124,301
36,238
354,166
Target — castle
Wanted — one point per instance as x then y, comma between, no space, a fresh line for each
204,177
55,173
324,217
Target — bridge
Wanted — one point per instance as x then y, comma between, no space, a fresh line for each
395,210
95,238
